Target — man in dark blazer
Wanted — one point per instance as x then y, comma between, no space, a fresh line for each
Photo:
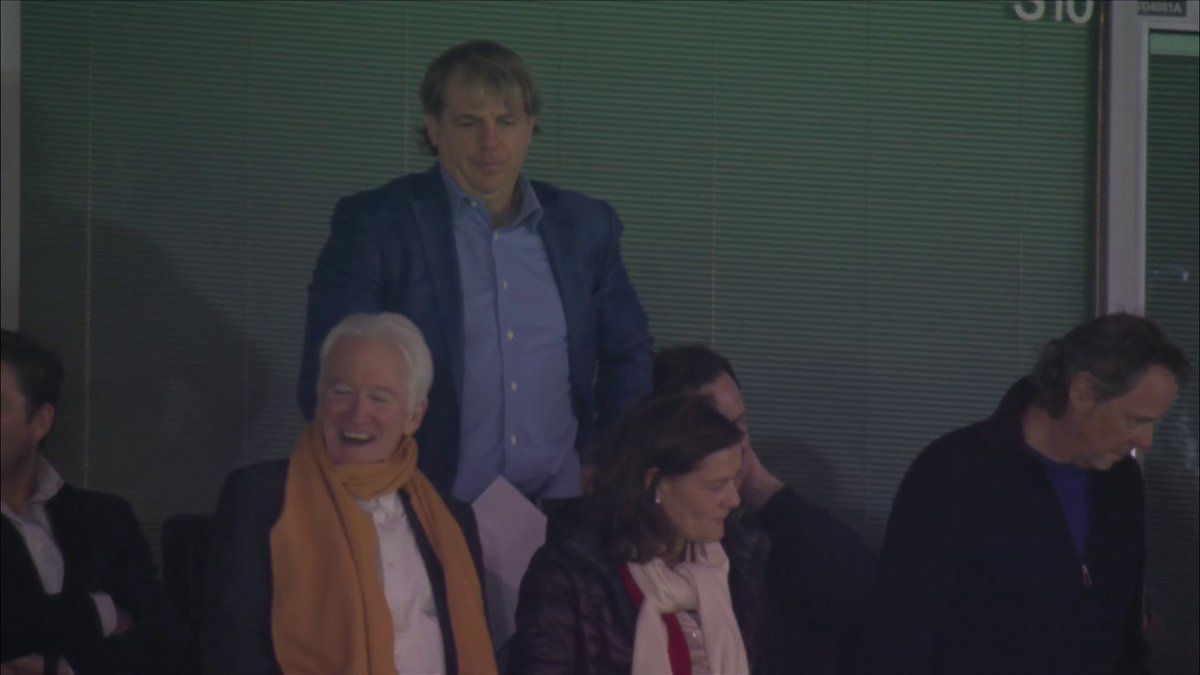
79,587
538,337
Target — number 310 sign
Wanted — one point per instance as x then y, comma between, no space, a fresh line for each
1076,11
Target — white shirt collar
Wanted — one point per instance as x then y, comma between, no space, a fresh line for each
49,482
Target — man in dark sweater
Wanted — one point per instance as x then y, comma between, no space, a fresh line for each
1017,544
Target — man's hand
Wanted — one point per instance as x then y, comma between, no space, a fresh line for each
757,485
114,621
587,476
25,665
124,622
32,664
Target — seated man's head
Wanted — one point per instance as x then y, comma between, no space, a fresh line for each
374,381
1106,383
665,476
481,105
696,369
30,384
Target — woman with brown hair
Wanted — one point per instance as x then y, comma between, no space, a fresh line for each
652,573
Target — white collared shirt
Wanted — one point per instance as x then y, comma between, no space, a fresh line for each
33,523
417,643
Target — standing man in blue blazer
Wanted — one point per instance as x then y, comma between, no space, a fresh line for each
538,336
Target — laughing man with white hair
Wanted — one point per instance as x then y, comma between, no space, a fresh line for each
344,558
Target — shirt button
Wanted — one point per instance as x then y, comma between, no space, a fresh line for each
505,284
511,335
513,385
512,439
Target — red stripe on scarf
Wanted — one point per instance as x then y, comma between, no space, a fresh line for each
677,649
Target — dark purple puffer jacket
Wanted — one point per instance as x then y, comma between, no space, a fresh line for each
575,617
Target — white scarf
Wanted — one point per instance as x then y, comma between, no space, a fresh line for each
701,584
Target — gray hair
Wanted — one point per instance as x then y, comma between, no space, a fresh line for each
1115,349
392,329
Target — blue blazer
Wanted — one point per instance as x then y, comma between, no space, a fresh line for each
392,249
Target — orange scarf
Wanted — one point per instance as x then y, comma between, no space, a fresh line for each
328,610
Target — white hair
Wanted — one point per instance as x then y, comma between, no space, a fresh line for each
392,329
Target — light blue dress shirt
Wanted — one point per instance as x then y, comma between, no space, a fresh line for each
517,419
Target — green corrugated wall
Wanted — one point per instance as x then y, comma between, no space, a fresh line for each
876,210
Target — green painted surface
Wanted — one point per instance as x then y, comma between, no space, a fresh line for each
1174,44
877,210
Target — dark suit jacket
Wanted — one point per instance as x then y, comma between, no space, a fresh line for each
392,249
103,551
819,573
237,632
